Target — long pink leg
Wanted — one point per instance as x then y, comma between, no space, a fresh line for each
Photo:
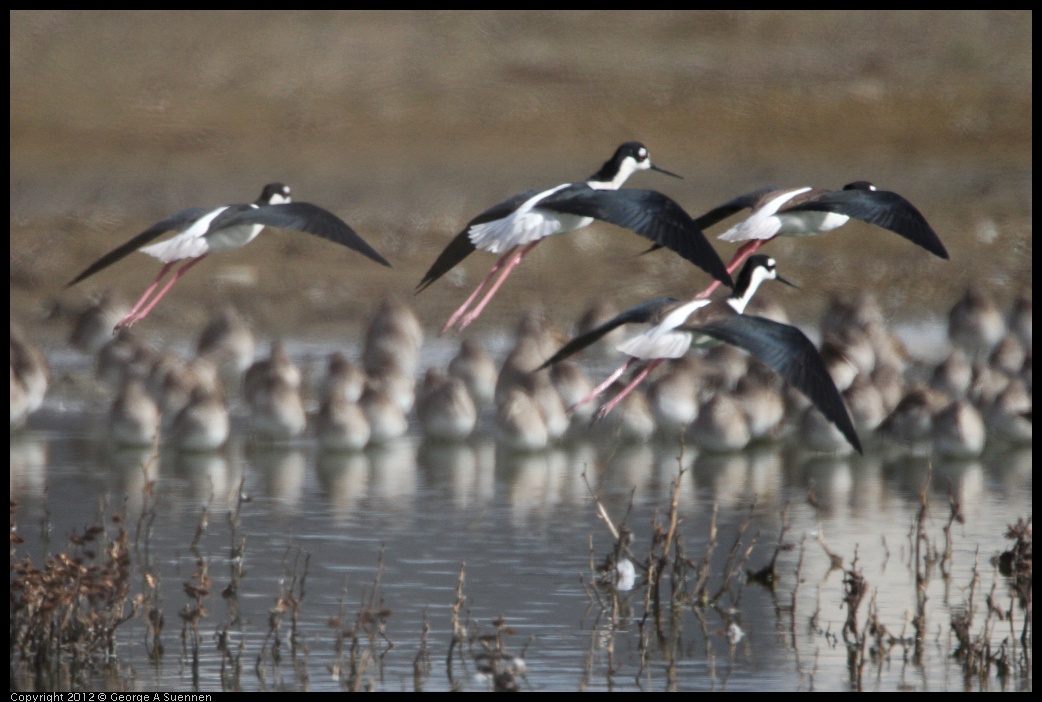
473,314
484,281
606,384
611,404
743,252
148,291
134,318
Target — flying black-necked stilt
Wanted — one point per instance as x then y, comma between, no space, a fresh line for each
808,211
662,341
677,326
515,226
203,232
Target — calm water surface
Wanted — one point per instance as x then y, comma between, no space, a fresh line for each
391,528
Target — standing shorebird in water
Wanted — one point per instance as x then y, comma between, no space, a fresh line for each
513,227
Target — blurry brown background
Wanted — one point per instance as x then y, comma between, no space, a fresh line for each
408,124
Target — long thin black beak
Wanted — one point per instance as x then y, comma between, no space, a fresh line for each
787,282
663,170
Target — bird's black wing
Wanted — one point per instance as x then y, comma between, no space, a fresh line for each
883,209
178,221
640,314
301,217
722,212
461,247
742,202
648,213
792,355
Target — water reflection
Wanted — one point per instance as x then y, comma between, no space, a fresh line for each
465,469
28,466
344,479
132,469
201,478
282,470
522,523
395,479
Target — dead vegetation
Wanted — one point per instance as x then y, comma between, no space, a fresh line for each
653,592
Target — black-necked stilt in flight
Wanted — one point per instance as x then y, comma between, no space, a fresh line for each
515,226
808,211
203,232
677,326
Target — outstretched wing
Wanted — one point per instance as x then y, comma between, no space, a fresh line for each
301,217
722,212
883,209
179,221
648,213
742,202
640,314
461,247
792,355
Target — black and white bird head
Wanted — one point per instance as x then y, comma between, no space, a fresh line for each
275,194
627,160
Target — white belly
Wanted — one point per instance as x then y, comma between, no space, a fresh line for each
809,223
672,344
191,243
519,229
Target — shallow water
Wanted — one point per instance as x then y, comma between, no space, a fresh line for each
411,515
407,125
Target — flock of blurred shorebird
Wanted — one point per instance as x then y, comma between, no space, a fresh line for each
756,377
